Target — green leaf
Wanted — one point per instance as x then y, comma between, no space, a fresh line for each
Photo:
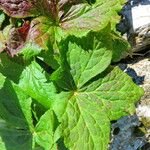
93,17
41,32
33,82
50,59
2,38
2,80
2,42
85,114
84,129
14,121
16,124
11,68
2,18
62,79
93,57
4,34
121,48
44,131
117,92
29,50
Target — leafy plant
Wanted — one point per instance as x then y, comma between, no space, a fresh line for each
58,90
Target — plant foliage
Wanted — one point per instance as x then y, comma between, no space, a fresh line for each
57,87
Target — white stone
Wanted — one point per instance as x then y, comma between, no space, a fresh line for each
143,111
140,16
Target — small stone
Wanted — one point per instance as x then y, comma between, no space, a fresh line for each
123,134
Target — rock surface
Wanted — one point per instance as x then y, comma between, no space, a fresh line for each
124,135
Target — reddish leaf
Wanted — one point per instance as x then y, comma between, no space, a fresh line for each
24,29
17,8
17,39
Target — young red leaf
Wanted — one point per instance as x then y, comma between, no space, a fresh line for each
17,8
17,39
